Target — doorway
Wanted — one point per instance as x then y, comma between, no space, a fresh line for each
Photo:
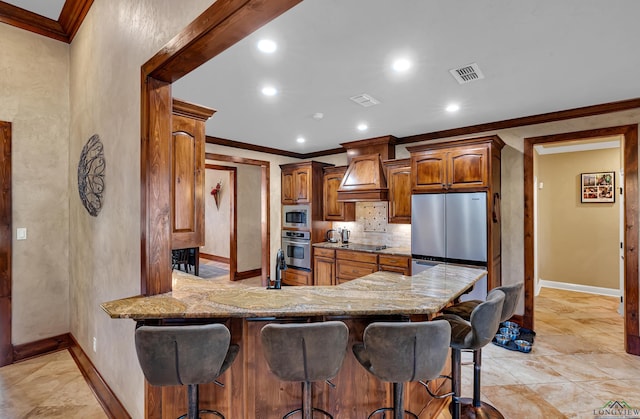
629,134
6,348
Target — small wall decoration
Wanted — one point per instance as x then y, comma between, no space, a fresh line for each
91,175
598,187
216,192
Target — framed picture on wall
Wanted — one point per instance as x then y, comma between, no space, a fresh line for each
598,187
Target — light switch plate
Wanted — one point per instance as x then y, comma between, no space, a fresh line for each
21,233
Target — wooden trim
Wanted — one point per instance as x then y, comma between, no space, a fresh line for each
630,133
214,258
6,231
106,397
265,214
41,347
249,274
191,110
72,15
64,29
253,147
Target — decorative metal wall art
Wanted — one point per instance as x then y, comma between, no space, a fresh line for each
91,175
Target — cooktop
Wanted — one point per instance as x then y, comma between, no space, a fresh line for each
364,247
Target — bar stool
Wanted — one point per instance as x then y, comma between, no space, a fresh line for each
473,335
464,310
185,355
400,352
305,352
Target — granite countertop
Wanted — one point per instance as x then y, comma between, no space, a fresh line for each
361,247
380,293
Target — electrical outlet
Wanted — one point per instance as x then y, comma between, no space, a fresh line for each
95,344
21,233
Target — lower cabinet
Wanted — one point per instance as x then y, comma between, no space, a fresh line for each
392,263
324,266
351,265
294,276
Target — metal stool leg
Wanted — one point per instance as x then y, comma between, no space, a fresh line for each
307,409
455,382
476,408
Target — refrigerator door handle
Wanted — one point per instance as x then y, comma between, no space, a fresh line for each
496,208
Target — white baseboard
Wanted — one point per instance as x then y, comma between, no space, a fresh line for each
612,292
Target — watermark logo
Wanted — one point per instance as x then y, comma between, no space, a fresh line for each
616,409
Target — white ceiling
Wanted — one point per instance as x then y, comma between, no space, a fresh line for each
46,8
537,56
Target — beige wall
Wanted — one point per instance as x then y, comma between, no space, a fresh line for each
34,97
217,220
249,218
116,38
578,243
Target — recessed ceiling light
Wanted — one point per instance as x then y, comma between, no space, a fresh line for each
300,140
267,46
401,65
453,107
362,127
269,91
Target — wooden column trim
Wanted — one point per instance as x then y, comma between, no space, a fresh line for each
6,229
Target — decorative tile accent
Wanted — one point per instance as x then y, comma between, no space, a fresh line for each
375,216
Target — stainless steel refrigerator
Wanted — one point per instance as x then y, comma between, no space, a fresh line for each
450,228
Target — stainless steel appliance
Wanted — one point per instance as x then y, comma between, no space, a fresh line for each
345,235
297,248
451,228
332,236
296,216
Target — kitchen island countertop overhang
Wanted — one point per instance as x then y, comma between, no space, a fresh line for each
380,293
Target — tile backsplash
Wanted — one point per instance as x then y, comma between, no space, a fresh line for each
372,227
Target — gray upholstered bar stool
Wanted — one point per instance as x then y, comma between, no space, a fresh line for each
305,352
185,355
400,352
475,407
473,335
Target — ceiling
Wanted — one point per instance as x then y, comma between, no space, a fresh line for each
48,8
536,57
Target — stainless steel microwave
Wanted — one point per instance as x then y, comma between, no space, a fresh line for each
296,216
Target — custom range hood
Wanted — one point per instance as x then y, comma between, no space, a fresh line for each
365,178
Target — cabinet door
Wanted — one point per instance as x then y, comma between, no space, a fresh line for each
288,196
302,185
429,170
468,167
399,182
293,276
324,271
333,210
187,182
346,269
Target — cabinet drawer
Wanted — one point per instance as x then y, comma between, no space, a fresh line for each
352,270
396,269
357,256
390,260
296,277
325,253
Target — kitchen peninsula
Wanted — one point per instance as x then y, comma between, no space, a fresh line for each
251,391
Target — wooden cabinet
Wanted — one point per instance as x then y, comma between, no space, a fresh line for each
399,183
351,265
324,267
393,263
293,276
453,168
332,209
296,185
187,174
471,165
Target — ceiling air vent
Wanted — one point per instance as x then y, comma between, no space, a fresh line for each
364,100
467,73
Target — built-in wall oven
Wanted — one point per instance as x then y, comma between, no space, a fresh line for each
297,248
296,216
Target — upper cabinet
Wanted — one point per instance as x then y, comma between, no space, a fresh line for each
332,209
399,183
296,184
461,165
187,174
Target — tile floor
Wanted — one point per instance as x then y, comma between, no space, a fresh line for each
577,364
